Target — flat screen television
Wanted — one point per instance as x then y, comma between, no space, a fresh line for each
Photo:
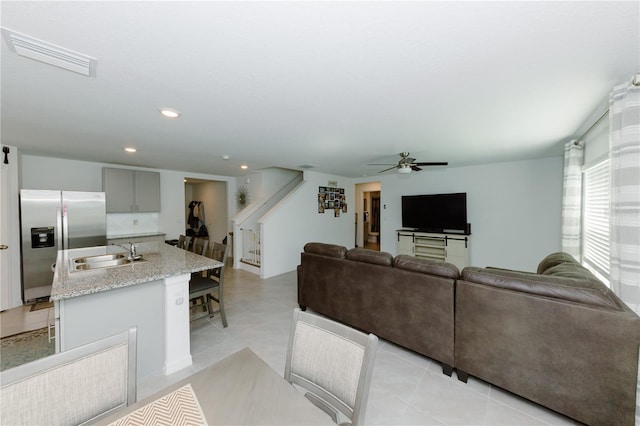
435,212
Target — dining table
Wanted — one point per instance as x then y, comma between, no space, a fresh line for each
239,390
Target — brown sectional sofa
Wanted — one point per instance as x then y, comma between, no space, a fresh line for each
407,301
558,337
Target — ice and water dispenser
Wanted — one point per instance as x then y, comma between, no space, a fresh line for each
42,237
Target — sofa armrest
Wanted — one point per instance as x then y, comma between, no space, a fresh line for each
578,290
323,249
495,268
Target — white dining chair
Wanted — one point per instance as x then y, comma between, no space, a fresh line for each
72,387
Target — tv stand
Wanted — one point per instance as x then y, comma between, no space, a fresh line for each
451,248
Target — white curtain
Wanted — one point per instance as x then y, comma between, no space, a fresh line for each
624,139
572,198
624,124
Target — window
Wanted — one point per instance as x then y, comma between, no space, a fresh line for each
595,220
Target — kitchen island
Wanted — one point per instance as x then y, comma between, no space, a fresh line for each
151,293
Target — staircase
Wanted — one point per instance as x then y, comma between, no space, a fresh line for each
247,229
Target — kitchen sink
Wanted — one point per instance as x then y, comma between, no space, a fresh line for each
99,258
101,261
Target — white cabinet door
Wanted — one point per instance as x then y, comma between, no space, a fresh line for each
458,252
405,244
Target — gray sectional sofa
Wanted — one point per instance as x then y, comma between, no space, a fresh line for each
558,337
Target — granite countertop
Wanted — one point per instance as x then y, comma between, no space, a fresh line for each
148,234
160,261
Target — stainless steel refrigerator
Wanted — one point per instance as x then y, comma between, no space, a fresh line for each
52,221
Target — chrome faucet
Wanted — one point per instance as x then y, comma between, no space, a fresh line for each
132,250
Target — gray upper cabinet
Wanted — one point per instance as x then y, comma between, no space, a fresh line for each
147,191
131,191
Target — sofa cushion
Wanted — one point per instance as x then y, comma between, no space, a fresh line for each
370,256
555,259
330,250
426,266
588,291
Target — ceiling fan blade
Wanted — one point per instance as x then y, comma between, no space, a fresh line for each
415,168
381,164
386,170
431,164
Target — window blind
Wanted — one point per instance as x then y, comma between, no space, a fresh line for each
596,218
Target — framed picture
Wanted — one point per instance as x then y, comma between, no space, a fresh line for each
330,197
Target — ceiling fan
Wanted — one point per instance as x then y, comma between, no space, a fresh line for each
406,164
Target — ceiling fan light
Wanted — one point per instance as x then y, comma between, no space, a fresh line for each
404,169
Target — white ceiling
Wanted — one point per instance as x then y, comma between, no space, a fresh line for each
334,85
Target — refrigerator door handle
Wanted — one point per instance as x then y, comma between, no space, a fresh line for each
65,228
59,228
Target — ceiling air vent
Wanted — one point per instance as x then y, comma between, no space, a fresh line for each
48,53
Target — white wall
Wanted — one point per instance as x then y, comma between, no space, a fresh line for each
71,175
514,208
58,173
274,179
296,221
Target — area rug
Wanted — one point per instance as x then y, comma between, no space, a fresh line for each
41,305
25,347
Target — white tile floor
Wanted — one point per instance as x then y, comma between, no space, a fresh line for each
19,320
407,389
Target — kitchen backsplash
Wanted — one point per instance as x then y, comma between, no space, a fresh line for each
131,223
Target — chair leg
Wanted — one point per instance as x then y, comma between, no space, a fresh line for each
222,314
219,300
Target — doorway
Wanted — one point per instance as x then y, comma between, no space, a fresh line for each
206,209
368,229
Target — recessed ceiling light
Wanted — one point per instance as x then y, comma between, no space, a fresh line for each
129,149
244,167
170,113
